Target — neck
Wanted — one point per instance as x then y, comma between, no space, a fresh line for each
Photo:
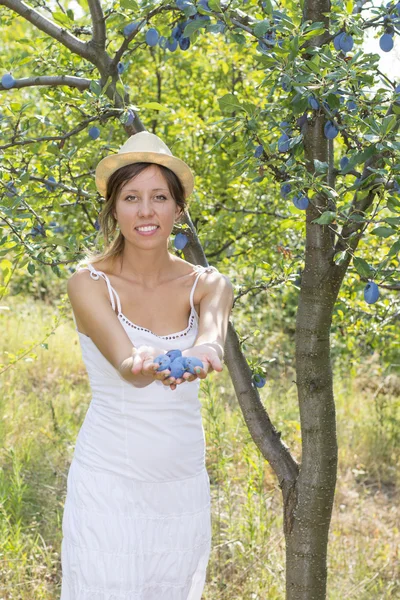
145,267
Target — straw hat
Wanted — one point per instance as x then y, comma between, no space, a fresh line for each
143,147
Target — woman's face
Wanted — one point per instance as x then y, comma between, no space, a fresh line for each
146,200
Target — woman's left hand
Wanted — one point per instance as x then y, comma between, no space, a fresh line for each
208,356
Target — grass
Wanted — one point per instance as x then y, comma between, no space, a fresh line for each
44,398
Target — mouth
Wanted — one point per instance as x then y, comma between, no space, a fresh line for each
147,230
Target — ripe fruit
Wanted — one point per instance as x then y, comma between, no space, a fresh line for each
11,190
346,42
285,189
128,29
7,81
336,41
258,380
300,201
386,42
191,363
351,105
283,143
172,45
180,241
49,185
343,162
163,361
184,43
330,130
162,42
258,151
120,67
97,225
152,37
177,367
313,103
371,292
94,133
130,117
173,354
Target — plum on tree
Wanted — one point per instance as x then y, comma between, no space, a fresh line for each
180,241
371,292
94,132
7,81
152,37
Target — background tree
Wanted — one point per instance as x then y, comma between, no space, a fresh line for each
294,97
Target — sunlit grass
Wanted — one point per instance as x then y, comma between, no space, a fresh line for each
44,399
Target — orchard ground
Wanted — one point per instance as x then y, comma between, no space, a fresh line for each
45,398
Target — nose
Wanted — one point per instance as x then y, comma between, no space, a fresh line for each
146,207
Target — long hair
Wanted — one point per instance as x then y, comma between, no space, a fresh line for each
114,244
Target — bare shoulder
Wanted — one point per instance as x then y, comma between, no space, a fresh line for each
81,282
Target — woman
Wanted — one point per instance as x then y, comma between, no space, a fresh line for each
136,522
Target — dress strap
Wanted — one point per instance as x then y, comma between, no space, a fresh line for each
200,269
94,274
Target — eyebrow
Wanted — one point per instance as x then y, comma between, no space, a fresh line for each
154,190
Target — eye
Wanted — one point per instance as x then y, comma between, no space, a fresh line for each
164,197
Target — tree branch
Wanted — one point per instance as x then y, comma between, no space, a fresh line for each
99,26
68,80
47,26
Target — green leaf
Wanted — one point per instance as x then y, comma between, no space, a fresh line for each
327,217
95,87
214,5
320,166
120,89
129,4
268,7
362,267
153,106
62,18
31,268
383,231
349,7
70,14
261,28
394,249
228,103
358,158
387,124
340,257
192,27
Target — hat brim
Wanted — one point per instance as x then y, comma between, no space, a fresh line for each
113,162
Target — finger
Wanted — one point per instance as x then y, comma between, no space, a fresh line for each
137,364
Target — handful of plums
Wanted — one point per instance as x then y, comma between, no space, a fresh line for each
178,364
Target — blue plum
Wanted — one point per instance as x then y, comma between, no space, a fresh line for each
49,185
258,151
130,28
285,189
336,41
120,67
343,162
258,380
152,37
283,143
184,43
172,45
330,130
97,225
313,103
191,363
163,361
94,133
386,42
173,354
180,241
7,81
346,42
177,367
300,201
371,292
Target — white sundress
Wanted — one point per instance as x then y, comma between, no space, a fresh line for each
137,521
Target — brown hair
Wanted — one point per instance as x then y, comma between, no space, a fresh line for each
114,246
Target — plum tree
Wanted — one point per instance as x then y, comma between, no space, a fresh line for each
296,52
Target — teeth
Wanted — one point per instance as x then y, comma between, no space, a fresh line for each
147,228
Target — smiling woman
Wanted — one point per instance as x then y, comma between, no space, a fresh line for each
136,520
